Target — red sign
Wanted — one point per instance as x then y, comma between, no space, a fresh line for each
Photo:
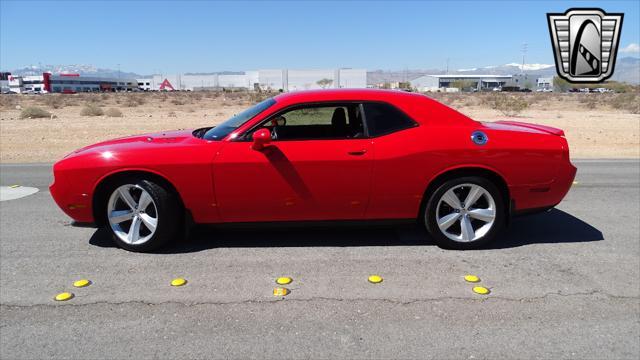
166,84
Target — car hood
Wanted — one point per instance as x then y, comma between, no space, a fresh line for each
137,142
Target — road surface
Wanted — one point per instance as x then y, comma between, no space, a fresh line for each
564,284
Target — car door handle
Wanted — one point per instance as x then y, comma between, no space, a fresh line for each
357,152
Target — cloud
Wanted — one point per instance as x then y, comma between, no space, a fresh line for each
631,48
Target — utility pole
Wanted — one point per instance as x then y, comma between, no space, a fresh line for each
447,66
524,53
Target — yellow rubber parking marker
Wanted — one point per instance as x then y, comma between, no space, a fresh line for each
472,278
280,291
375,279
178,282
284,280
481,290
14,186
82,283
63,296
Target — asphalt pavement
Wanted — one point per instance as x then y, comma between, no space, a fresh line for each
564,284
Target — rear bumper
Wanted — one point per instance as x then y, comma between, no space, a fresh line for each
539,197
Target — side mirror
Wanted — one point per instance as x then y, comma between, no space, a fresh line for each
261,138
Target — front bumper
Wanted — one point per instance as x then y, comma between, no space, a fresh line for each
76,204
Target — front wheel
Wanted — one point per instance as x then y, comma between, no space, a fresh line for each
464,213
142,215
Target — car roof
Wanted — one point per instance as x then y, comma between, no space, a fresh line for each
418,106
345,94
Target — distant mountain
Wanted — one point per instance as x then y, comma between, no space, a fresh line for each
627,70
217,73
87,70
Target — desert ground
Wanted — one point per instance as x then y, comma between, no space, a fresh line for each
596,125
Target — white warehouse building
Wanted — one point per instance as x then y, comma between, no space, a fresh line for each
437,82
269,79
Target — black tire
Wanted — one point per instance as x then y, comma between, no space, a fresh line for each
430,220
168,210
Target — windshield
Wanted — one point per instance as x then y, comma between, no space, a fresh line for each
233,123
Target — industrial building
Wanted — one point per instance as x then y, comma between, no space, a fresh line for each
68,83
544,83
274,80
441,82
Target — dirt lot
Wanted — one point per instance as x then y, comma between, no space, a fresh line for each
597,125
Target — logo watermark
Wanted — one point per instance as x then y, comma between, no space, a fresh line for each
585,43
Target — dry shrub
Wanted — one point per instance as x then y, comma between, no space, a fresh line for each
54,101
171,114
238,95
507,104
257,97
177,101
9,101
212,94
33,112
91,110
89,98
468,100
105,97
628,102
130,102
113,112
589,101
190,110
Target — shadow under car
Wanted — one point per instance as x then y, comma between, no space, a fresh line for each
554,226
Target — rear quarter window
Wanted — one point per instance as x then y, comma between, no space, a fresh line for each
384,119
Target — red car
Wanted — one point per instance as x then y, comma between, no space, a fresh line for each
320,155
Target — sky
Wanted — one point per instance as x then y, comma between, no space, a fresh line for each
203,36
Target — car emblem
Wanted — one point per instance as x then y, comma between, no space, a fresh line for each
585,43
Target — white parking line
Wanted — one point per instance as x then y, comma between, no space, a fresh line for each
12,193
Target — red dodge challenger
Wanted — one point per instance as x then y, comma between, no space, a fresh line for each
320,155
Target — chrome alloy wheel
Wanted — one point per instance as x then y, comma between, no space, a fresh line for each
466,212
132,214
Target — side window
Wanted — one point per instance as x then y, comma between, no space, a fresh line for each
320,122
384,119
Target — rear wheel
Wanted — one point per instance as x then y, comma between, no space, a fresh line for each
142,215
464,213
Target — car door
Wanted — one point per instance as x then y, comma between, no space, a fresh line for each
317,167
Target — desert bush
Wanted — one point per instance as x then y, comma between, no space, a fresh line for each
507,104
131,102
113,112
628,102
171,114
33,112
91,110
54,101
8,101
589,101
257,97
89,98
177,101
